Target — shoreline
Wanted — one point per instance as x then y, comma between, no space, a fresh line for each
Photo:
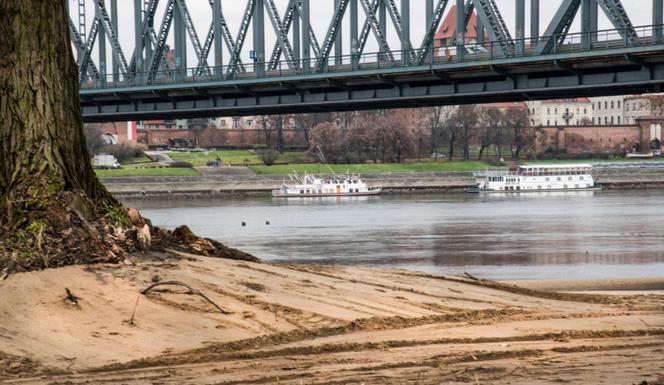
392,183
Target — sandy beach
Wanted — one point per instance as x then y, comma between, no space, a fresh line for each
306,324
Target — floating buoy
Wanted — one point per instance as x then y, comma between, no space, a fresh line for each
244,223
267,223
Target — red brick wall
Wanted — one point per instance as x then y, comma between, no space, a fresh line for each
212,137
597,139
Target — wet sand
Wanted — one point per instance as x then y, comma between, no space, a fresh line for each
304,324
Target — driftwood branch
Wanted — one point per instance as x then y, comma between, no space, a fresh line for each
191,289
471,277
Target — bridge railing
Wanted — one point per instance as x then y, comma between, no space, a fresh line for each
609,39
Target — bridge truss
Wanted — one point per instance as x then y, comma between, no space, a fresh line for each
302,65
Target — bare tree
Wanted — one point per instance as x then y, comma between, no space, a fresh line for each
276,122
465,121
521,134
435,125
326,138
491,122
304,123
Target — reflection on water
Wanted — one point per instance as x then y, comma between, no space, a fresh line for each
537,235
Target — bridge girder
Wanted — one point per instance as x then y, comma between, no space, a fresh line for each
297,44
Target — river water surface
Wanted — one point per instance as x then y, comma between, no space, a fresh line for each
529,236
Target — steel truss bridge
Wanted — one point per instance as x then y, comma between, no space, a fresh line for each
308,73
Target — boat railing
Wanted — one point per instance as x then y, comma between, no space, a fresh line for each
484,174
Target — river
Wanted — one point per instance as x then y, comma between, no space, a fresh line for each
572,235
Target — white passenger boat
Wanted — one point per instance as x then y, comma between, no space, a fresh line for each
535,178
308,185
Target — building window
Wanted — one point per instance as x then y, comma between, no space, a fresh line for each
236,123
612,104
222,123
548,122
612,120
555,111
619,120
626,107
606,120
618,103
585,111
250,123
548,111
606,105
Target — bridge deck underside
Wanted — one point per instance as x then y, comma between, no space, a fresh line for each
564,74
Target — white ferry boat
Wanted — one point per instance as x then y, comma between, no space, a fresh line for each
311,186
537,177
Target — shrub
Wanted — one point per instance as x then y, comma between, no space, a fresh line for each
299,158
180,164
268,157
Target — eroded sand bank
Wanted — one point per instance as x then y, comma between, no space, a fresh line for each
294,324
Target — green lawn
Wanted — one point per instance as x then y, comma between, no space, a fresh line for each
147,172
137,160
369,168
234,157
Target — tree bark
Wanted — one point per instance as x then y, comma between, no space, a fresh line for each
45,171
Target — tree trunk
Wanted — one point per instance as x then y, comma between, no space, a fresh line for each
280,133
47,185
481,151
451,148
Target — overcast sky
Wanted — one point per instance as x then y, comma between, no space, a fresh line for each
321,12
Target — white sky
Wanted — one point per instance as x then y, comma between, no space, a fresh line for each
321,12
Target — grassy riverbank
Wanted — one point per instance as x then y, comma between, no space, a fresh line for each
148,171
371,168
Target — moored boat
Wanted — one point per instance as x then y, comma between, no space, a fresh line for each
536,178
308,185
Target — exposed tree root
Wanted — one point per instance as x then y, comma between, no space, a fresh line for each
191,289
